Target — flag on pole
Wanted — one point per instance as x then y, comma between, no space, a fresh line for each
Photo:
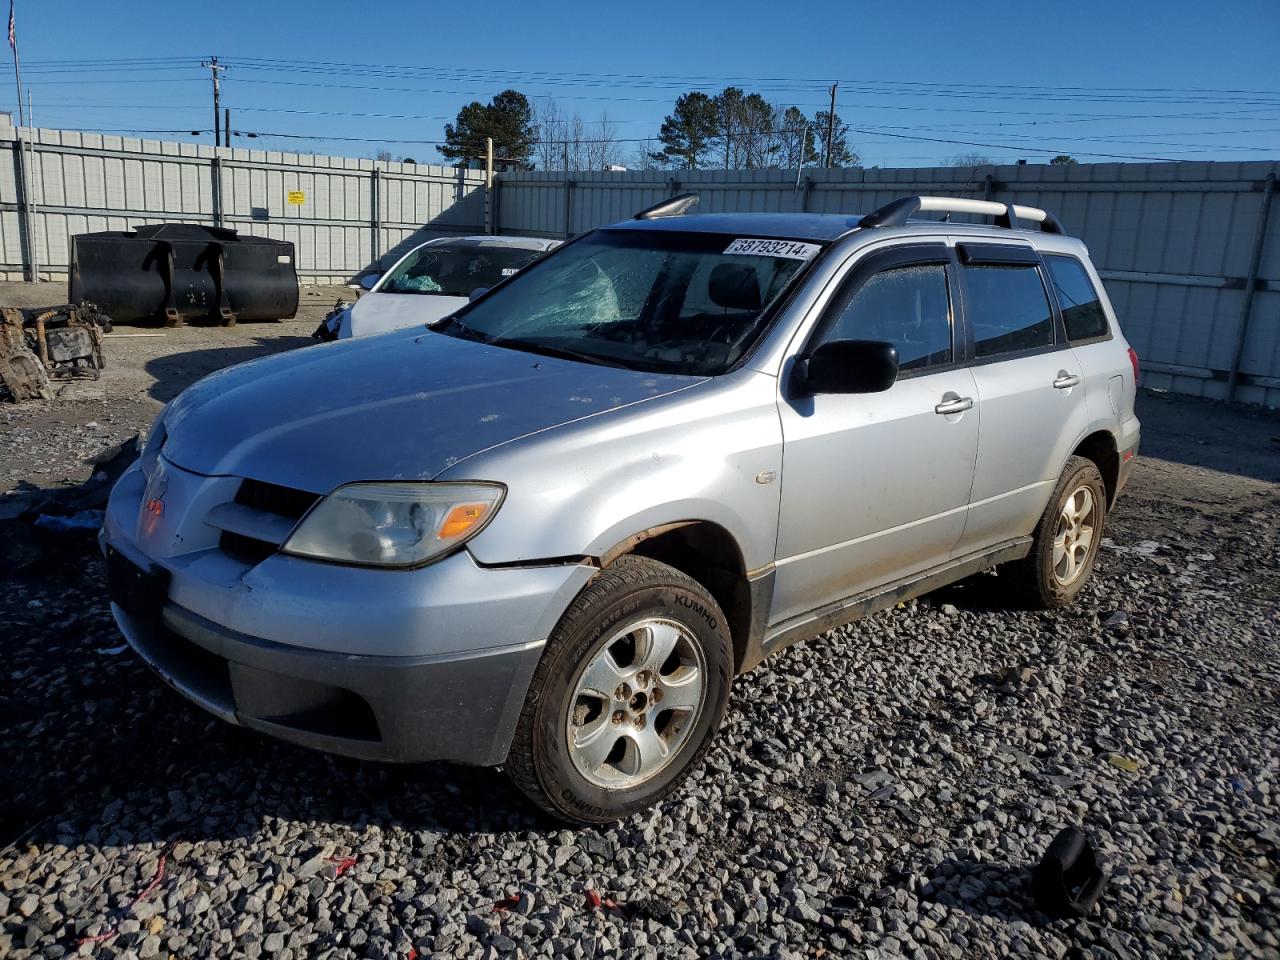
17,69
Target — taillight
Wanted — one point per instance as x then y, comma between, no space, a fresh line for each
1133,358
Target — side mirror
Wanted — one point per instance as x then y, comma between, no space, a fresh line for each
847,366
477,292
369,280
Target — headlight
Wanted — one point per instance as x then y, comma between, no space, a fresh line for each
394,524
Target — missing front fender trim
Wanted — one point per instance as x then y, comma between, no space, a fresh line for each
570,561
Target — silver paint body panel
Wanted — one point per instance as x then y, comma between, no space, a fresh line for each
836,495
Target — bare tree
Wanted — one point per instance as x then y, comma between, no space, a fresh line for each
645,157
568,142
601,148
969,160
548,148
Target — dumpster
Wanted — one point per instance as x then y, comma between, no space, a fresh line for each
180,271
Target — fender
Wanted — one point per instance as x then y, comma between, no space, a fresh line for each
586,489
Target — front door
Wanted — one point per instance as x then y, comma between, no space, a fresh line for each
875,486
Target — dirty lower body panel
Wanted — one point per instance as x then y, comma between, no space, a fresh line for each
403,709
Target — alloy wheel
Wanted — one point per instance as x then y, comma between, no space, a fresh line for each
1074,537
635,703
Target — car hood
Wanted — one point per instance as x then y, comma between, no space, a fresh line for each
400,406
380,312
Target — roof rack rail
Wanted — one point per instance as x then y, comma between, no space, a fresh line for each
898,212
672,207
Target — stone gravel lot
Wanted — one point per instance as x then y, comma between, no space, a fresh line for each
881,790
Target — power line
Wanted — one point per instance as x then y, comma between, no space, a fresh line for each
1100,95
1065,117
677,79
1067,141
1012,148
1006,146
816,82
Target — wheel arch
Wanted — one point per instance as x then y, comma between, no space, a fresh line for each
711,555
1100,447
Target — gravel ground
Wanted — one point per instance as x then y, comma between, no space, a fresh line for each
881,790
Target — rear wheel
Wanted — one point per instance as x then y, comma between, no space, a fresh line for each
1067,538
628,694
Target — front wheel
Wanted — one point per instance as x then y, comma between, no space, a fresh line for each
627,696
1067,538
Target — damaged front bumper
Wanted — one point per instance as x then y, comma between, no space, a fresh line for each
460,707
399,665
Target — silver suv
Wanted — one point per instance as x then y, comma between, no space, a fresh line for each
548,530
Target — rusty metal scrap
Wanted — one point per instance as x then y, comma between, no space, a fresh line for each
57,342
21,373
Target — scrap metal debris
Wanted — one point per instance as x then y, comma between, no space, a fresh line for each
36,526
40,345
328,329
341,864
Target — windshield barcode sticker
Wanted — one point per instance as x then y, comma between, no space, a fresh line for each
509,271
789,249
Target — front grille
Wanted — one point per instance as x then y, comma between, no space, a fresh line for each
285,501
245,549
259,519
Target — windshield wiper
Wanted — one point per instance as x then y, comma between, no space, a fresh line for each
464,332
547,349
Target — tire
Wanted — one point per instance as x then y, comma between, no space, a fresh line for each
1039,576
626,615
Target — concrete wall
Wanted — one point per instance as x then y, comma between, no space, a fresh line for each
1175,242
355,211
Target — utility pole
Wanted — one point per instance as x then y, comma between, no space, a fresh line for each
31,190
226,126
831,125
216,68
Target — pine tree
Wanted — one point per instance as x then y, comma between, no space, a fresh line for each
687,131
842,155
508,119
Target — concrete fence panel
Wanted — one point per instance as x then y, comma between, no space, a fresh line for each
1190,252
354,214
1192,274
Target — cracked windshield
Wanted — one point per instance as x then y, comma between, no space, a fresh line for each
673,302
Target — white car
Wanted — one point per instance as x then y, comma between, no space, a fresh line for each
435,279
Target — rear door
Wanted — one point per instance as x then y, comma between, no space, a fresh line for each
875,486
1108,371
1031,390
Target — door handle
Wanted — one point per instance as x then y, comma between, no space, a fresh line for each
1065,381
956,405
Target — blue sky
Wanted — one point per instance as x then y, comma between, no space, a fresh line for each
1177,80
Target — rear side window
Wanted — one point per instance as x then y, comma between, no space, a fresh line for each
906,306
1082,312
1007,309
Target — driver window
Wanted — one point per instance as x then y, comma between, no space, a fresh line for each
909,307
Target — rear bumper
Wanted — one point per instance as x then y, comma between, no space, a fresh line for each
1129,442
460,707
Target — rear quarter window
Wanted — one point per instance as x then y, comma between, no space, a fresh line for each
1007,308
1082,312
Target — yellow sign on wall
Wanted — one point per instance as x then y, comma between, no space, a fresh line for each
297,197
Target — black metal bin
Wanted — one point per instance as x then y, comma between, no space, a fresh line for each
182,271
